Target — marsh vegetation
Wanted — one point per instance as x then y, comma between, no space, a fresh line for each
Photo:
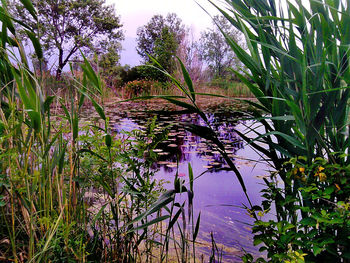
76,185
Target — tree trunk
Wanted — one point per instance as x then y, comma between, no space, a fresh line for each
60,65
59,73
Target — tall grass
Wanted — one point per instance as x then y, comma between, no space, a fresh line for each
228,88
298,63
40,194
75,192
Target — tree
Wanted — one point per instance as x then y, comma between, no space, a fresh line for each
160,38
165,48
189,53
109,64
214,49
67,26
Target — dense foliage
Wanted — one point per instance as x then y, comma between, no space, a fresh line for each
299,72
160,38
215,51
71,191
109,65
142,87
149,34
65,27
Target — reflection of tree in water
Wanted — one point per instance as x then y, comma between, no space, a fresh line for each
188,144
225,130
182,144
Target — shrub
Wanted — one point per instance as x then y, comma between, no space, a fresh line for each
150,73
142,72
115,77
317,224
137,88
143,87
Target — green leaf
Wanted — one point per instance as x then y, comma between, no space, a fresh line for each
61,158
65,110
36,44
106,187
257,241
152,222
49,145
187,79
190,176
47,103
98,215
308,221
4,38
92,153
22,92
97,106
35,118
197,227
108,140
29,6
204,132
316,250
75,126
162,201
174,219
91,75
289,138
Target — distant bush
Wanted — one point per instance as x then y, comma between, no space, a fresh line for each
143,87
145,72
231,88
142,76
114,77
150,73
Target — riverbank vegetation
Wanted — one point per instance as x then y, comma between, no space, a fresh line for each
76,192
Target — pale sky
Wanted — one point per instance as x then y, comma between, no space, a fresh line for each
136,13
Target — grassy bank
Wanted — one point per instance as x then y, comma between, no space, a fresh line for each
140,88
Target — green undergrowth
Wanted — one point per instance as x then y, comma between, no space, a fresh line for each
229,88
73,191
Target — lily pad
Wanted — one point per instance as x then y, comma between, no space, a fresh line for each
171,165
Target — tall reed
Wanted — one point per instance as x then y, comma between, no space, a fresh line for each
298,63
71,191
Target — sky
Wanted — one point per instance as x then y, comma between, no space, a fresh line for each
136,13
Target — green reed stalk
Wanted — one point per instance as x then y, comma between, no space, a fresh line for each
45,164
298,61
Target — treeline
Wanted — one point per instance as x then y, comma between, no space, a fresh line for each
67,28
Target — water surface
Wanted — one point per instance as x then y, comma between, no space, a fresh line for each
217,193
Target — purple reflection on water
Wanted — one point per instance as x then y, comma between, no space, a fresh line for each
217,193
